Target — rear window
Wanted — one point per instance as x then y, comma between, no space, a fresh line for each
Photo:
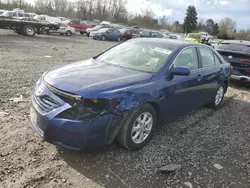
234,47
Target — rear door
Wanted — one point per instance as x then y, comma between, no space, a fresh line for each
212,72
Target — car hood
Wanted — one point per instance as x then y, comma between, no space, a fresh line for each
93,79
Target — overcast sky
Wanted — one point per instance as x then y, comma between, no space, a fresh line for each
239,10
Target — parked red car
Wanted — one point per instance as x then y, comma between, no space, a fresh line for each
127,34
80,26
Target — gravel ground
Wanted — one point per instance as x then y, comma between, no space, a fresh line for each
196,141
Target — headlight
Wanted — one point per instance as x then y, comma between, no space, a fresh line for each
85,109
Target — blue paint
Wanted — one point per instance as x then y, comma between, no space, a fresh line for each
173,94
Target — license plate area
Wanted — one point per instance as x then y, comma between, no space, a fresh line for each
35,121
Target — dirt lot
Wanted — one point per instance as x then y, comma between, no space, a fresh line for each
196,141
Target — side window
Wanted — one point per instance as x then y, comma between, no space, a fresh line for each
14,14
207,57
187,58
20,15
217,60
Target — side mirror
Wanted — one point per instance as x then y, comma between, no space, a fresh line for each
181,71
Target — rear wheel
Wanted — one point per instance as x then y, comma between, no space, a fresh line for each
139,127
68,33
81,32
119,39
218,98
28,30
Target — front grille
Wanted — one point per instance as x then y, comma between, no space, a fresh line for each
45,103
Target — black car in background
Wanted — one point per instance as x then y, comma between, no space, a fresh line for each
237,53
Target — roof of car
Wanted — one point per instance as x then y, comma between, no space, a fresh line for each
243,42
170,42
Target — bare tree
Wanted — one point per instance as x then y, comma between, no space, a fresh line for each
227,28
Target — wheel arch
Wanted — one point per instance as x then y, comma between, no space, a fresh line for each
226,83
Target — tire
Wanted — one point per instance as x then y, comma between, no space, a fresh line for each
68,33
88,34
125,135
119,39
28,30
81,32
45,32
103,38
218,98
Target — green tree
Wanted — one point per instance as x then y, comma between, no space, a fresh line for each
216,29
190,21
210,26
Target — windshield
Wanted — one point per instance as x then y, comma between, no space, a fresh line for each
194,36
7,13
138,55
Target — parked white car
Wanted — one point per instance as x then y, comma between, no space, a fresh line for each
64,30
47,18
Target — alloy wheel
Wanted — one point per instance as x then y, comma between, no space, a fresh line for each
142,127
219,95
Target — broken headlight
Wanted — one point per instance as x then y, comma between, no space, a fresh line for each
85,109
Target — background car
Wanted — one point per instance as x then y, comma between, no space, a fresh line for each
80,26
106,34
147,33
237,53
125,92
98,27
159,34
127,34
46,18
14,14
193,37
64,30
1,12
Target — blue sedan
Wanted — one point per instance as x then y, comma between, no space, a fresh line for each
106,34
125,92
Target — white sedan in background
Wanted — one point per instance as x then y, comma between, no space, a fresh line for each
64,30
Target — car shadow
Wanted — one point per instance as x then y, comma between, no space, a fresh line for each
196,141
245,86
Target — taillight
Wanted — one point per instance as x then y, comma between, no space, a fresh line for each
245,60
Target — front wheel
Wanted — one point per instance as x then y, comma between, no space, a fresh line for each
139,127
103,38
68,33
28,30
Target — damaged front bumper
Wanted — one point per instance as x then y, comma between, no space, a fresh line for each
74,134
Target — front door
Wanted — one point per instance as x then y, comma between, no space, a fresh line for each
182,93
